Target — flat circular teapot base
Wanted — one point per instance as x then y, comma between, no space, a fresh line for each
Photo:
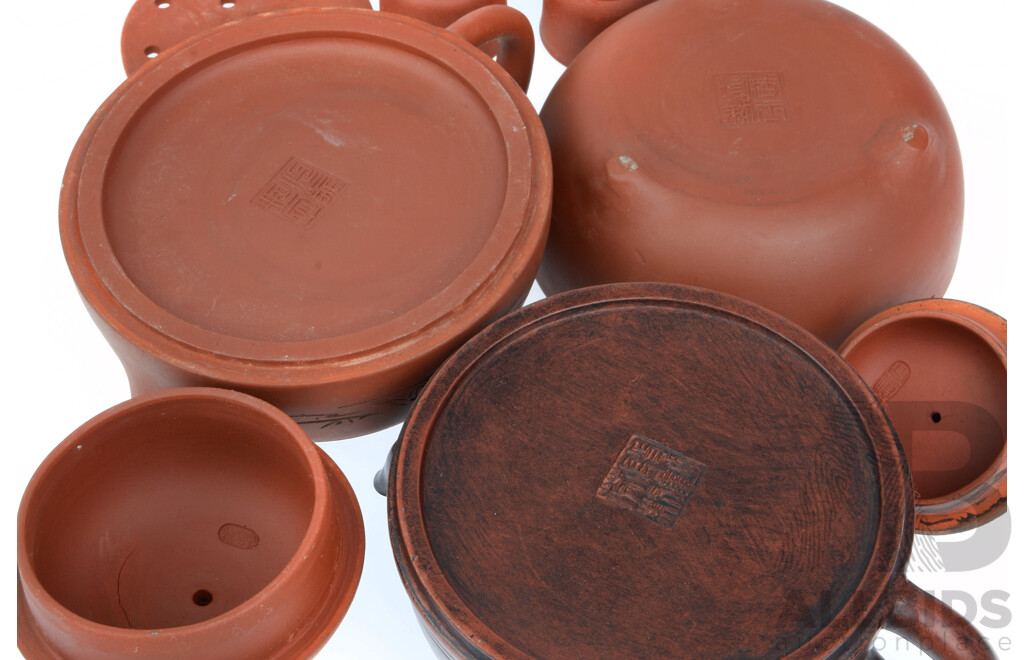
647,467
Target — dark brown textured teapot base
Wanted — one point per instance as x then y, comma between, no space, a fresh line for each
658,454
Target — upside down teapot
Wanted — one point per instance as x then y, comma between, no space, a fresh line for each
788,152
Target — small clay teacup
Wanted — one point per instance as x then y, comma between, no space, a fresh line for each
195,523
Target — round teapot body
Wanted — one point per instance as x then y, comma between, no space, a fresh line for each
314,207
789,153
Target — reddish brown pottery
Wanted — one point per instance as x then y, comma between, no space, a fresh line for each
939,368
441,13
315,207
786,152
153,26
567,26
196,523
650,470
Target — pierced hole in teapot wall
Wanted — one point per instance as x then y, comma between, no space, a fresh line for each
162,4
152,52
936,417
227,4
202,598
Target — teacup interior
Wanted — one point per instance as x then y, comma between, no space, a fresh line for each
170,515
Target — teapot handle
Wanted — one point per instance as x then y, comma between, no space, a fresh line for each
508,28
936,628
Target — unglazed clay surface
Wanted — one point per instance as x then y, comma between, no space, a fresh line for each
195,523
567,26
67,60
560,468
785,152
441,13
939,368
313,206
153,26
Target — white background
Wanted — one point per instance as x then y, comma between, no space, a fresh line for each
61,59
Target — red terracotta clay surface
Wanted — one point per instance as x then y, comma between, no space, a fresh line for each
194,523
786,152
441,13
939,367
315,207
153,26
567,26
635,470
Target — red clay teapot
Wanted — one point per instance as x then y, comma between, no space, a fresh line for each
786,152
314,206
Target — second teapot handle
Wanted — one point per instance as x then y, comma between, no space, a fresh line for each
936,628
508,28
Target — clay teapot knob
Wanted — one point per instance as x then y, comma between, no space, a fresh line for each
154,26
441,13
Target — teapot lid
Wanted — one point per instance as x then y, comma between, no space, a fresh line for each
939,368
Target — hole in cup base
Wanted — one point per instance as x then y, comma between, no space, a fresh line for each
133,468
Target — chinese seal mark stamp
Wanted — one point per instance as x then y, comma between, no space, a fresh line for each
651,480
750,98
300,192
238,536
892,381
